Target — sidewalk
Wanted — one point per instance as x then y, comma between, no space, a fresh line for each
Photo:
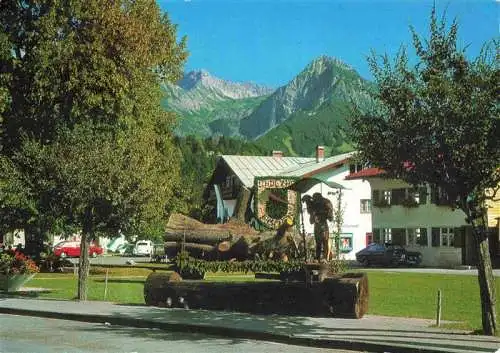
371,334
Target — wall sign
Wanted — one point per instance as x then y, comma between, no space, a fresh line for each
345,243
274,203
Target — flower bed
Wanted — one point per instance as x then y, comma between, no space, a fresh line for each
15,270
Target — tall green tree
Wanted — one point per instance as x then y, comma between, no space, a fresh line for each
439,123
82,124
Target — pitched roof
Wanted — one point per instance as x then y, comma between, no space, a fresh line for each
249,167
314,167
366,173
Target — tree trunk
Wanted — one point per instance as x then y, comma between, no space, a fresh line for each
486,280
83,267
84,262
241,206
484,270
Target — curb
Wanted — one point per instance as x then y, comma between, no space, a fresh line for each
227,332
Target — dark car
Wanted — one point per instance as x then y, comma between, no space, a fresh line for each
388,255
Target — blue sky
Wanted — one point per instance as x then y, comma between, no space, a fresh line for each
270,41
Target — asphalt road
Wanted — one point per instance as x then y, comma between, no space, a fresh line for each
23,334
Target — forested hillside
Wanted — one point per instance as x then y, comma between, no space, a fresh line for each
304,130
198,157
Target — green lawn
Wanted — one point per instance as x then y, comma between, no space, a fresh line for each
120,289
415,295
391,293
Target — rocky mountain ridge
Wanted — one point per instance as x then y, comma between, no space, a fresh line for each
317,99
199,99
324,80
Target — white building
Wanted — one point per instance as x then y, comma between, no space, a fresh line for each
419,219
355,201
262,177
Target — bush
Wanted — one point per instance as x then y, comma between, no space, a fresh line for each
15,263
189,266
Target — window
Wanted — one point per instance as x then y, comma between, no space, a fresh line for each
417,236
366,206
444,236
414,195
382,235
387,196
439,196
418,195
447,237
229,181
387,235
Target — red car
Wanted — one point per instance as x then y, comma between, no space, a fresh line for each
72,249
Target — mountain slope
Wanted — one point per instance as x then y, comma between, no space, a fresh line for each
199,99
304,130
325,82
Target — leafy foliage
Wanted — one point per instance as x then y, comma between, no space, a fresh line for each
185,263
82,124
439,123
436,119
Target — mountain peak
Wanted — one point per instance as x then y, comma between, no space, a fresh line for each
324,61
192,78
203,80
324,80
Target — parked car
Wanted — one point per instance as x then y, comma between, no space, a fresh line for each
116,243
122,249
126,249
72,249
388,255
143,248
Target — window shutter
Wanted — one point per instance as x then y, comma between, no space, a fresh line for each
435,195
376,235
459,237
422,195
436,235
375,196
397,196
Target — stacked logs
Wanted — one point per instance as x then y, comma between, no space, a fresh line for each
232,240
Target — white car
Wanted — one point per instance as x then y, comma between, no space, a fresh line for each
143,248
